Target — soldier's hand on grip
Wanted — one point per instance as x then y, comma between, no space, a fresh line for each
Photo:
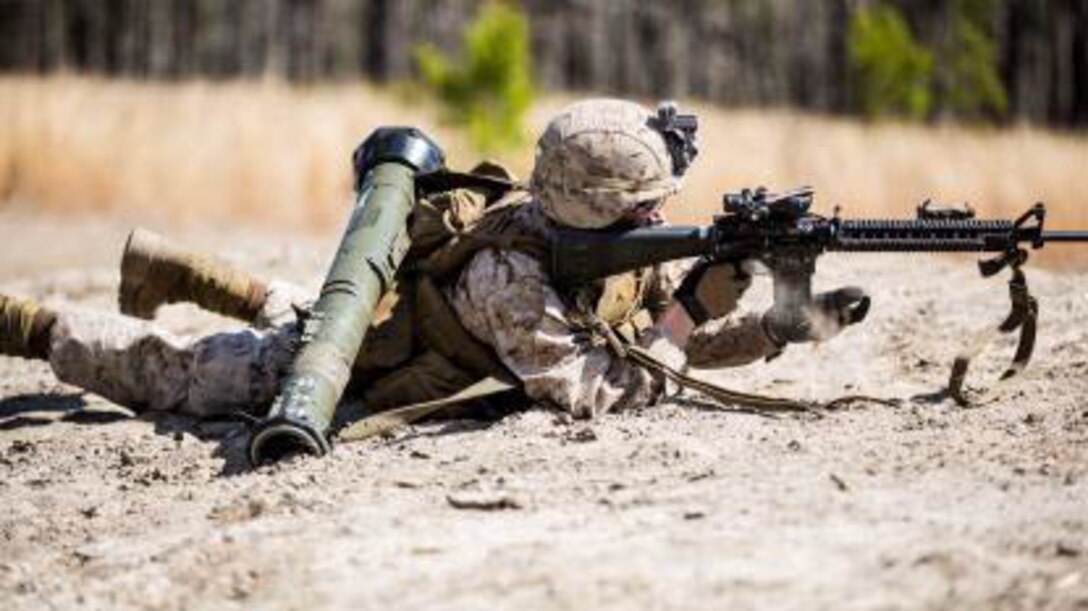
711,290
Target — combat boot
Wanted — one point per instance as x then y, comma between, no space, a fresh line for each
156,272
25,328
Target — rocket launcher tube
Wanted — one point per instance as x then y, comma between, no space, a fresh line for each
373,246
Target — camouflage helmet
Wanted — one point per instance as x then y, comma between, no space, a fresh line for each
597,160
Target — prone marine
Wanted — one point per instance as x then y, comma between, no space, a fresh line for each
490,308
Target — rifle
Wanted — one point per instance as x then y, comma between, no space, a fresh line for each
780,231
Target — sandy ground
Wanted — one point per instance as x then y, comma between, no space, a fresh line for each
924,505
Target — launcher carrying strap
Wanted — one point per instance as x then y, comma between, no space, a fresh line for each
386,422
1023,315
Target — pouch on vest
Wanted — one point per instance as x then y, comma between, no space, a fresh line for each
621,304
441,217
495,229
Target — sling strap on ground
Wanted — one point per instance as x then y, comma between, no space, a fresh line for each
723,395
385,422
1023,315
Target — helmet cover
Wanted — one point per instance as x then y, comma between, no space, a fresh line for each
597,160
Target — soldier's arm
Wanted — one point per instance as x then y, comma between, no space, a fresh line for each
734,337
505,300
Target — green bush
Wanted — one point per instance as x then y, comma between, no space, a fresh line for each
489,88
892,72
972,86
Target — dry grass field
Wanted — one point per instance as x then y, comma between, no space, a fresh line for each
260,152
278,155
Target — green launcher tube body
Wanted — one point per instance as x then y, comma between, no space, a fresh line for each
373,246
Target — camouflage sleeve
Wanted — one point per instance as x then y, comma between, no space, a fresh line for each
505,300
729,341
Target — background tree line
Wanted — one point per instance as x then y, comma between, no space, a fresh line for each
994,60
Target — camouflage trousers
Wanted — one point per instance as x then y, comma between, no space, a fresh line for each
144,367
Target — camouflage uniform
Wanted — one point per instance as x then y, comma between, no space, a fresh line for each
595,163
142,366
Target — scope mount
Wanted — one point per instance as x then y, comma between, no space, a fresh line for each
759,203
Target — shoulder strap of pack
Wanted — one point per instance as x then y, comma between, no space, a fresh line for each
447,180
441,330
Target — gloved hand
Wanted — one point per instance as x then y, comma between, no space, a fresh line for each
829,313
711,290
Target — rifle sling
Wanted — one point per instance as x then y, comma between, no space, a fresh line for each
722,395
1023,315
728,397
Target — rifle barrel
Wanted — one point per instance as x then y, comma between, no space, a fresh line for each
1065,236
